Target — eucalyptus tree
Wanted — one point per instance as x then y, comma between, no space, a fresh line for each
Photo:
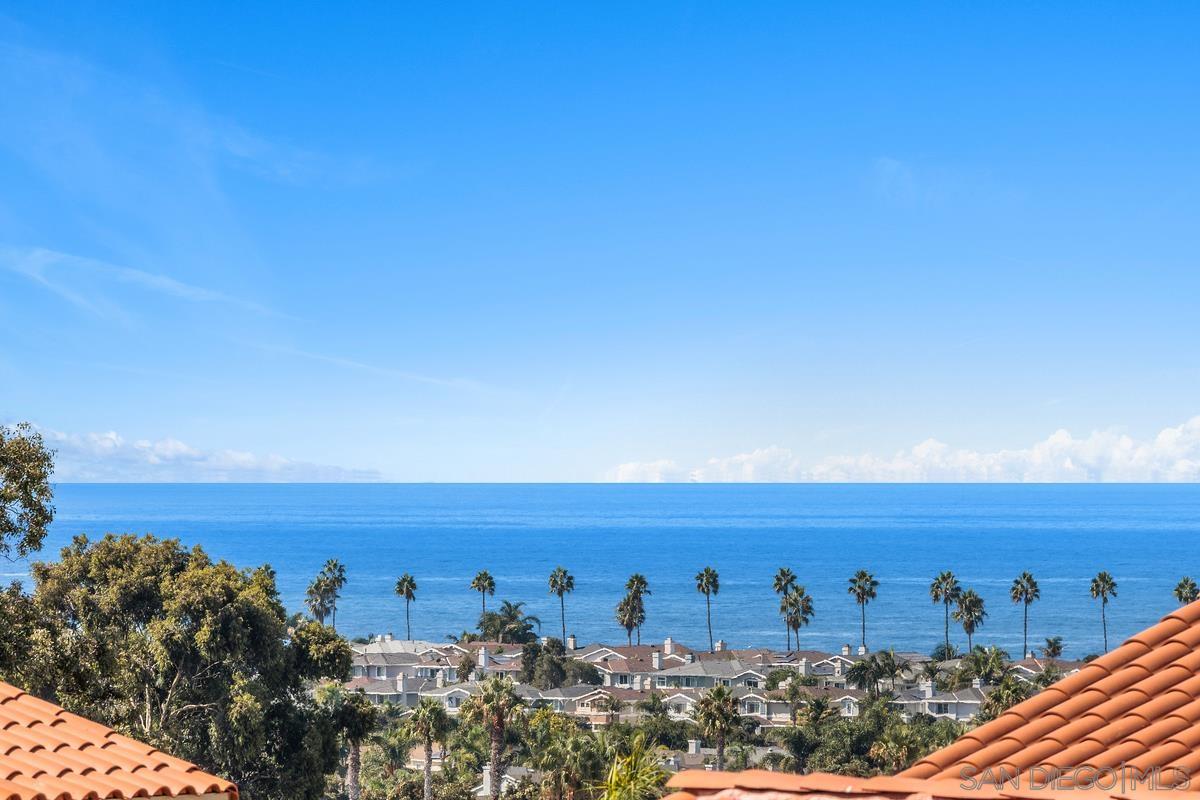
495,708
945,589
717,715
1103,587
26,493
1186,591
428,723
561,583
1024,590
970,613
406,588
638,587
863,587
708,583
785,579
485,584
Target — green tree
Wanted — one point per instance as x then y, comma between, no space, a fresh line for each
333,579
1053,648
192,656
717,715
785,579
708,583
485,584
561,583
970,613
1103,587
797,609
1025,590
26,508
945,589
612,706
863,588
1186,591
356,719
317,600
629,615
495,708
428,723
508,623
633,775
637,586
406,587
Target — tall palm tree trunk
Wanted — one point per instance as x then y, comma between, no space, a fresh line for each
787,626
863,606
720,752
708,613
1104,622
353,760
562,611
1025,637
639,631
408,619
946,606
429,769
494,767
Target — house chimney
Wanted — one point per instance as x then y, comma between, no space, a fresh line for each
720,646
803,667
440,679
845,649
401,684
669,646
572,643
690,658
926,689
693,747
637,683
481,664
976,683
656,660
388,637
862,649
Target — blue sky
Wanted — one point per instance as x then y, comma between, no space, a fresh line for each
629,241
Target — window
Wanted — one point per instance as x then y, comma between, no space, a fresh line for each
751,708
660,682
752,683
941,708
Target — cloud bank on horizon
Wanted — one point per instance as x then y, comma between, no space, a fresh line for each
1172,456
110,458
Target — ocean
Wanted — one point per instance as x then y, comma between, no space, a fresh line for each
1145,535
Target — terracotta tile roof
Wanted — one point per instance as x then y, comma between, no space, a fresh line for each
1138,706
1125,726
47,753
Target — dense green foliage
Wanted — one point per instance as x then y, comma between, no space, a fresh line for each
26,510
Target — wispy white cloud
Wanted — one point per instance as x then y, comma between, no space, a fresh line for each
110,457
1100,457
387,372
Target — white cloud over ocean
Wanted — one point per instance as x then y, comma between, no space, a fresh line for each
1172,456
110,457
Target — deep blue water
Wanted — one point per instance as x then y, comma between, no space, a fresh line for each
1147,536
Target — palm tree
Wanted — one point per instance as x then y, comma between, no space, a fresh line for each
796,694
630,615
333,576
708,584
945,589
428,723
865,674
406,587
510,621
891,666
818,711
797,609
785,579
717,715
1025,590
635,774
561,582
485,584
1186,591
316,598
862,588
1103,587
612,707
970,614
1053,648
637,586
495,708
356,717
